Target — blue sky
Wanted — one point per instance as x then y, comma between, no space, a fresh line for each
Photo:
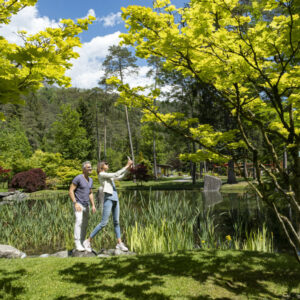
104,32
58,9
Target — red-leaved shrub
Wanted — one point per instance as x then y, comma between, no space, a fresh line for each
4,174
30,181
140,172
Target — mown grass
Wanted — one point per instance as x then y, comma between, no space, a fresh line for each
175,184
166,183
183,275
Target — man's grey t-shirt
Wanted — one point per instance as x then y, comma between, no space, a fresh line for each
82,190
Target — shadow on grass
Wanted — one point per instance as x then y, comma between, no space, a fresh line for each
8,290
134,277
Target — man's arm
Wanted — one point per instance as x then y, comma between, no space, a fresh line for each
91,196
72,196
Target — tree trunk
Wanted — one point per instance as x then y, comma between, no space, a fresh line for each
193,173
99,151
97,136
154,157
154,142
201,169
254,172
194,165
104,150
284,162
128,124
129,134
245,169
231,175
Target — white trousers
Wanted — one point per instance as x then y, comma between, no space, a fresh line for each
81,222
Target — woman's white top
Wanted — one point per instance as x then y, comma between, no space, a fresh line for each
106,180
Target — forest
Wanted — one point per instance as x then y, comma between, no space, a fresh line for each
59,128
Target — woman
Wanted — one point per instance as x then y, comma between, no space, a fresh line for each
110,204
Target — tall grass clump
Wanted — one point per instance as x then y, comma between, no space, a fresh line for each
159,224
211,233
45,225
258,240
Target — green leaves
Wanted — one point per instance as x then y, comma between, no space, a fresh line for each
69,136
44,57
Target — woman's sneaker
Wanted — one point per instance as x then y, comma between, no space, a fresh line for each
122,247
87,246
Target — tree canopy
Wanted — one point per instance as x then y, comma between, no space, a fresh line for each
41,58
248,52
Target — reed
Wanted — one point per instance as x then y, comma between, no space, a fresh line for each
259,240
161,222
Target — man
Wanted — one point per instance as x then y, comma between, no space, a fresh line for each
81,195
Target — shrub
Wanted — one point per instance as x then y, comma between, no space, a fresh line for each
30,181
53,183
66,174
4,174
140,172
48,162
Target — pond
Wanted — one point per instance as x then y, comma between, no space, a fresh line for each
157,221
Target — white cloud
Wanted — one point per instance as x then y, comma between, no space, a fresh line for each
86,70
139,79
111,19
27,19
91,12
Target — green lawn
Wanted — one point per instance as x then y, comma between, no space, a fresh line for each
161,184
173,184
169,183
191,275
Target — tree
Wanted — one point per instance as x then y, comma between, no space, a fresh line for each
118,62
42,58
87,114
13,141
249,54
156,64
70,138
146,144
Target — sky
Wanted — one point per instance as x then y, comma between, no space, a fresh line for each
102,34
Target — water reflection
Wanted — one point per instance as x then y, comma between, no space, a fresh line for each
211,198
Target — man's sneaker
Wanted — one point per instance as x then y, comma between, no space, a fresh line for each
87,246
78,246
122,247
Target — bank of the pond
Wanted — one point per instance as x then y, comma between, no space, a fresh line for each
167,184
181,184
181,275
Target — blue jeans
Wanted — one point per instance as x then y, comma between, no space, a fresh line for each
108,206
